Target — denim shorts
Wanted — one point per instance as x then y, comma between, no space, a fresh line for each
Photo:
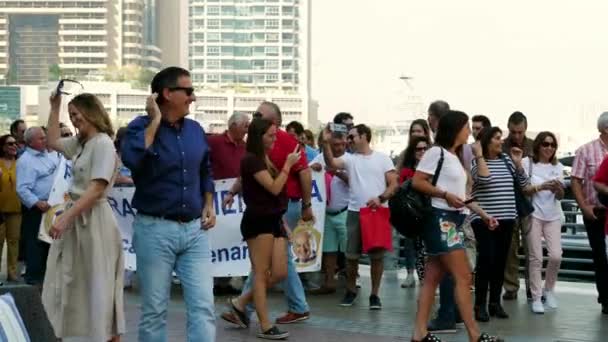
443,232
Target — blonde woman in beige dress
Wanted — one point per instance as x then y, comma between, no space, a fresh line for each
83,287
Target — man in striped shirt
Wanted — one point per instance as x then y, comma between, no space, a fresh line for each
587,160
518,125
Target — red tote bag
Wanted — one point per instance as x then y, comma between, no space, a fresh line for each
376,230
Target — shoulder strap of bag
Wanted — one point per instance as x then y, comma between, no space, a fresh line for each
438,169
511,171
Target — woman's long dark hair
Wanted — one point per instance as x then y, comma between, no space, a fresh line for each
425,127
485,138
449,127
408,157
255,141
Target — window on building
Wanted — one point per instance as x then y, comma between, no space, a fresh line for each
213,37
272,37
272,10
271,64
213,51
213,24
213,10
271,50
287,64
272,24
213,78
271,78
213,64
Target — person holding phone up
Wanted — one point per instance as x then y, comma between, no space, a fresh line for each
546,175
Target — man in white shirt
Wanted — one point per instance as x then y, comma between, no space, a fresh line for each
372,180
334,233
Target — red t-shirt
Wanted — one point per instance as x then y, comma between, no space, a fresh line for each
406,173
283,146
601,176
226,156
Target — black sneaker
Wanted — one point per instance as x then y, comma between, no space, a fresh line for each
374,303
349,298
273,334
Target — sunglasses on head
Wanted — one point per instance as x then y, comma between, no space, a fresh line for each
548,144
187,90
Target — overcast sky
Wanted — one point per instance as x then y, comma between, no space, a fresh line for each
545,58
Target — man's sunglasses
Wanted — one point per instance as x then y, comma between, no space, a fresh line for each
257,115
187,90
66,135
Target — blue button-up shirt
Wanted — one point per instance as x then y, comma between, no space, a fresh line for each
172,175
35,176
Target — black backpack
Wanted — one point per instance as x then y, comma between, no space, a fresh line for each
409,208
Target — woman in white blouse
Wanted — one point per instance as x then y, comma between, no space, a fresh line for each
546,176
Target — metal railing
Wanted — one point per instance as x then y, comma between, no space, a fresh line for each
577,261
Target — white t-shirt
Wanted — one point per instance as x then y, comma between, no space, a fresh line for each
366,177
452,177
339,189
546,206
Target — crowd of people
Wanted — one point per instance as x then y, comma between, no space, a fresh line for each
488,198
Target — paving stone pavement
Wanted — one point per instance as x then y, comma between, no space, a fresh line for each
577,320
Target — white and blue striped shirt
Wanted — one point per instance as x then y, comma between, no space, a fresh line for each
496,193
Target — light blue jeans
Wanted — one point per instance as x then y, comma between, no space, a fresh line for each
292,285
162,246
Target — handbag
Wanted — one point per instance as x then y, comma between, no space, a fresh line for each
410,208
522,203
375,229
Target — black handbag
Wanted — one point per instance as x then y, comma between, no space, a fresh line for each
522,203
410,208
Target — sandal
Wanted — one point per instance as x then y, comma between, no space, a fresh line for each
429,338
242,318
487,338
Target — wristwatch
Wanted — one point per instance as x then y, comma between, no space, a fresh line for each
382,198
306,205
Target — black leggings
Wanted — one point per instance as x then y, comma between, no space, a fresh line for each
492,250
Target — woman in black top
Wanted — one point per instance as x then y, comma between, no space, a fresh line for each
262,224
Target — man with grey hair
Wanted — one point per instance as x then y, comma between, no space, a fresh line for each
227,150
586,163
35,173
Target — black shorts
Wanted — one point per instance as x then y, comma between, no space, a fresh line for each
254,224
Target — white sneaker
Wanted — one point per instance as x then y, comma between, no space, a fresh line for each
550,299
409,282
537,307
358,282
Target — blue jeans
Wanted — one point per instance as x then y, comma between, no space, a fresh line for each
162,246
448,312
292,285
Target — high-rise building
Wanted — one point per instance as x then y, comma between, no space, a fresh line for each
79,38
172,31
252,44
255,46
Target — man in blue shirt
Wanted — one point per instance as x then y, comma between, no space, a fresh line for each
35,174
168,156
